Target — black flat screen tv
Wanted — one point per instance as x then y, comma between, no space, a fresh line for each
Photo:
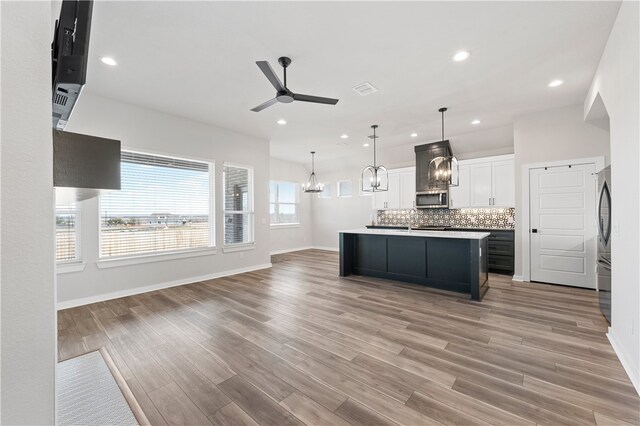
69,55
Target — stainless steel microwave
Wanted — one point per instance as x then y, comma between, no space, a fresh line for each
435,199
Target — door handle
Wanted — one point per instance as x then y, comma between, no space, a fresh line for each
534,231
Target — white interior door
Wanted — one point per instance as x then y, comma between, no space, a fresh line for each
562,225
480,185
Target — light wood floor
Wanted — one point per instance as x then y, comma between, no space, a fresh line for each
296,344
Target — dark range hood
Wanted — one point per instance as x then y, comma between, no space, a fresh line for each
84,166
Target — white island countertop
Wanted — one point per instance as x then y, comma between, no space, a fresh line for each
419,233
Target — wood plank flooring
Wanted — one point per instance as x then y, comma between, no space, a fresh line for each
296,344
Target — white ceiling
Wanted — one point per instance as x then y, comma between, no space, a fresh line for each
197,60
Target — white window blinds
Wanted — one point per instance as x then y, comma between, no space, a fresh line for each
283,203
67,233
238,204
163,206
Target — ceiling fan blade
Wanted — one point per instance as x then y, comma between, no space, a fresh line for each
268,72
265,105
314,99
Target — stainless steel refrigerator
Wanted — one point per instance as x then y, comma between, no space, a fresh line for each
604,241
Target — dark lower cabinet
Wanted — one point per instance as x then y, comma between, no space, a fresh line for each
454,264
501,250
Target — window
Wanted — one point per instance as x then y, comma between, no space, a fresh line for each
67,247
283,203
238,204
164,206
345,188
326,193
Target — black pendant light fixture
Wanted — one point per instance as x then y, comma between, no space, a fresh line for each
313,185
444,170
375,178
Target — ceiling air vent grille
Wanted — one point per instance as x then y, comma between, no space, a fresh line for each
60,99
364,89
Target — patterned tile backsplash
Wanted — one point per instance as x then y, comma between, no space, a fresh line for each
458,218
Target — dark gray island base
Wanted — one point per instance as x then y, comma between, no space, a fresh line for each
455,261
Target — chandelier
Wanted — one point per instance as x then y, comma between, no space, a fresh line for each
375,178
444,169
312,185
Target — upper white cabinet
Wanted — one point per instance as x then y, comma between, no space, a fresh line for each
485,182
503,184
402,190
459,195
480,185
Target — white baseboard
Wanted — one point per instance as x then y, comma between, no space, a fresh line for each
627,362
290,250
519,278
326,248
137,290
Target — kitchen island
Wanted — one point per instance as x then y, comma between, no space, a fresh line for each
448,260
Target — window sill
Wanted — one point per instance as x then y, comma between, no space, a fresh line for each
66,268
284,225
156,257
238,247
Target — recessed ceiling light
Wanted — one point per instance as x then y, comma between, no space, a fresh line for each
281,122
345,136
108,61
556,83
475,122
461,56
413,135
365,144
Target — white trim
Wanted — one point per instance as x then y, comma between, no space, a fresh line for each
290,250
518,278
627,362
65,268
284,225
238,247
130,292
526,168
325,248
155,257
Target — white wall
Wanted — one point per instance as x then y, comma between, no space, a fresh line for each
151,131
553,135
616,81
296,237
333,214
27,279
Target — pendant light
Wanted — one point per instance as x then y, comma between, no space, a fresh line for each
375,178
313,185
444,169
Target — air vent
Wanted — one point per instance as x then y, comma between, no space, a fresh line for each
364,89
60,99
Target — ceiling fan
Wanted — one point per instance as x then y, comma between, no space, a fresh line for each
283,94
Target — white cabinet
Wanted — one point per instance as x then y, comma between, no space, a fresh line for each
401,193
408,189
480,185
503,188
459,195
485,182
